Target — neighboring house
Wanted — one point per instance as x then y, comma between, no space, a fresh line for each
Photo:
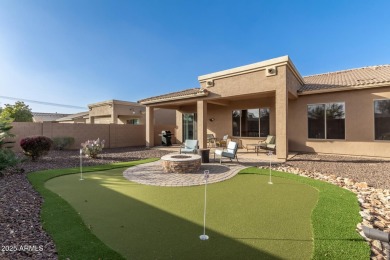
39,117
116,112
344,112
78,118
119,112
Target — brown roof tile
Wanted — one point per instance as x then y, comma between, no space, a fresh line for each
347,78
187,92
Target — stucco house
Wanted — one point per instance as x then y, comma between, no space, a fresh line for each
343,112
118,112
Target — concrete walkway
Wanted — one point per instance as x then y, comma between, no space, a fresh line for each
152,173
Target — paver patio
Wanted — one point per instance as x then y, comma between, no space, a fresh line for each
153,174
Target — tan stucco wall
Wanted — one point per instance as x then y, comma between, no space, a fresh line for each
115,135
101,110
359,121
164,116
248,83
102,120
293,84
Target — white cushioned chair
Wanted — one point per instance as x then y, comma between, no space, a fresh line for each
230,152
189,146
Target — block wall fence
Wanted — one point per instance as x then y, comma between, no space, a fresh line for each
115,135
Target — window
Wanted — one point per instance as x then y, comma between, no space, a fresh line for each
251,122
326,121
236,122
134,121
382,119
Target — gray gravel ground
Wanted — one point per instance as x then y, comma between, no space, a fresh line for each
20,204
375,172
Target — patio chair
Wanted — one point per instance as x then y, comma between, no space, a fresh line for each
230,152
223,142
189,146
211,140
268,143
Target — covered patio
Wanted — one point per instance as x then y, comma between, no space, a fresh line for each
247,103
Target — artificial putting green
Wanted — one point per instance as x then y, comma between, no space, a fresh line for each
246,218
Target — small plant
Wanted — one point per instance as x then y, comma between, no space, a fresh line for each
62,142
5,128
7,156
36,146
7,159
92,148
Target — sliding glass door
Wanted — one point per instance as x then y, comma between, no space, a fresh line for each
189,126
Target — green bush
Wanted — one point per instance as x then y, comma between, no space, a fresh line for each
62,142
7,156
5,128
36,146
7,159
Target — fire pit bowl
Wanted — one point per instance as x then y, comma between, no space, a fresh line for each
181,163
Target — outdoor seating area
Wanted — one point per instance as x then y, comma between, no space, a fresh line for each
268,144
212,141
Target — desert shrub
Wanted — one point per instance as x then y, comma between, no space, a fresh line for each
7,159
36,146
62,142
92,148
7,156
5,133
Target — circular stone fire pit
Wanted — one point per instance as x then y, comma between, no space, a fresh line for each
181,163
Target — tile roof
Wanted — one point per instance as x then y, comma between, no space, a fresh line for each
187,93
46,117
366,76
73,116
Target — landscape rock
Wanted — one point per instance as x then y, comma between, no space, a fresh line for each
372,196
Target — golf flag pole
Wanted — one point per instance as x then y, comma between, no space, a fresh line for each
204,236
81,164
270,153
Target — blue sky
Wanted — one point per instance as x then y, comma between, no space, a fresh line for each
81,52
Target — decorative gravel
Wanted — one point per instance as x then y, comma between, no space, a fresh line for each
21,233
375,172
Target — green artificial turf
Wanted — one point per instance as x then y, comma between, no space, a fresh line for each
334,219
72,237
246,218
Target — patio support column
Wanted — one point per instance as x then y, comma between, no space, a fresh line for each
281,107
201,109
149,126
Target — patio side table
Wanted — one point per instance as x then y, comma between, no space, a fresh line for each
205,154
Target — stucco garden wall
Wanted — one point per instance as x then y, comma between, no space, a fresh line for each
114,135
